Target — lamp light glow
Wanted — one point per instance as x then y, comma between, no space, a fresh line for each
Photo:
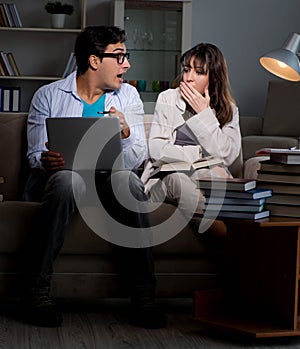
284,62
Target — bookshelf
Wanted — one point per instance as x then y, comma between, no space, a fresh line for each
158,32
36,46
41,52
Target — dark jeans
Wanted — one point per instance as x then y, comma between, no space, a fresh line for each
57,194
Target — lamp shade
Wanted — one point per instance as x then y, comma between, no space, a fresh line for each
284,62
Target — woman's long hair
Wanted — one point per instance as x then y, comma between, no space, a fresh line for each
209,58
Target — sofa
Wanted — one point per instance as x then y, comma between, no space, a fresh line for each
85,267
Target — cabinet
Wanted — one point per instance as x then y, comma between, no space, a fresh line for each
30,42
260,296
158,32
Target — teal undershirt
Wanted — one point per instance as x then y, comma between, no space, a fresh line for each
91,110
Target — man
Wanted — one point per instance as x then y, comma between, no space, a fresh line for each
96,86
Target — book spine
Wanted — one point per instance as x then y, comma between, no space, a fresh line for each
4,19
8,15
18,18
3,64
5,100
7,63
68,68
13,64
15,99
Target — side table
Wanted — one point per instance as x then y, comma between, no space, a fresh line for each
260,294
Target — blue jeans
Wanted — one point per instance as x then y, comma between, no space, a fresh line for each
57,194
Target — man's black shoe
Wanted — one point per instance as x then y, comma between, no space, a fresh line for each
40,310
145,313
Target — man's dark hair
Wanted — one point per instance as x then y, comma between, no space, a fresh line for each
93,41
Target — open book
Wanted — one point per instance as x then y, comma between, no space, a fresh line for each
163,167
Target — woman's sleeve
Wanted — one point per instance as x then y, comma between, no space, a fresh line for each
224,142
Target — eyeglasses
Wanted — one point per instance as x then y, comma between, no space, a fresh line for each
120,57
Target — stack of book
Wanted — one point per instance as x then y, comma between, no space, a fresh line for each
9,15
282,174
234,198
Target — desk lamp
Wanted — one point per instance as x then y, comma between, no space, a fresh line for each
284,62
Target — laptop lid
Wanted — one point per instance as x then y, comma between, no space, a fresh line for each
87,143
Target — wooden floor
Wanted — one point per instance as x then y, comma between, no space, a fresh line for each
104,325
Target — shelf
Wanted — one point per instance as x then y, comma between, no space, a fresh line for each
149,92
28,77
251,327
51,30
153,50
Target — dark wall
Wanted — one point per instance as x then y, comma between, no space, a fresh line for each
244,30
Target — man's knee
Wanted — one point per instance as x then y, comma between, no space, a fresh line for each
127,179
127,188
66,183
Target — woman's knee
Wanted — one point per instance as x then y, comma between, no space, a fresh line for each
176,182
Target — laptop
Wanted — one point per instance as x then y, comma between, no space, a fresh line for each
87,143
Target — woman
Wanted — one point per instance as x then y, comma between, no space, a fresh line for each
197,119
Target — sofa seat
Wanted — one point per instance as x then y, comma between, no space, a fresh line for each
86,265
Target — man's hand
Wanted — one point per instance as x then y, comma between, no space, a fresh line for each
51,160
194,98
125,130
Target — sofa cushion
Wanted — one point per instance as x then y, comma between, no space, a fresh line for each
16,218
251,125
282,110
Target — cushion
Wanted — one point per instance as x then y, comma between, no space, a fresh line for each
282,110
251,144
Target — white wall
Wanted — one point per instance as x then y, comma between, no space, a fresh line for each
244,30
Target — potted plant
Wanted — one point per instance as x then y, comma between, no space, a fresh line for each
58,11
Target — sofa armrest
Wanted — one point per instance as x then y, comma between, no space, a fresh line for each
251,125
252,165
13,162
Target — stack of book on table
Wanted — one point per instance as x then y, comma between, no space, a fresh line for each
282,174
234,198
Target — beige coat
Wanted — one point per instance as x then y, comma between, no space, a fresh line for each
224,143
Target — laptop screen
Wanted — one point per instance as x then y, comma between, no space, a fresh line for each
87,143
